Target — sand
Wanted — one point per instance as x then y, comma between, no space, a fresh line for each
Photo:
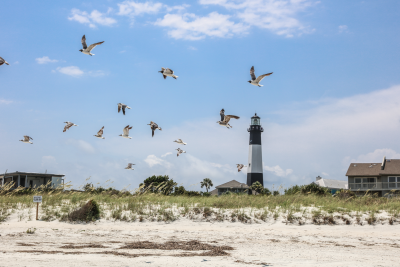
274,243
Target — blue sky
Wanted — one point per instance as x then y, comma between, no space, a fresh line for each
333,98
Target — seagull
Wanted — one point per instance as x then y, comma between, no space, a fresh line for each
256,81
126,132
153,127
68,125
129,167
180,151
168,72
179,141
123,106
100,133
86,50
225,119
26,139
2,61
240,167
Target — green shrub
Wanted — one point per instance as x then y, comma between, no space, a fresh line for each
88,212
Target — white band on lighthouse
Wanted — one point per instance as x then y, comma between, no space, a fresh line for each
255,159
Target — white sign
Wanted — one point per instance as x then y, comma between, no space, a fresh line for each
37,199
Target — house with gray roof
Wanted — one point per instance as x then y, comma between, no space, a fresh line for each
332,185
232,186
31,179
382,178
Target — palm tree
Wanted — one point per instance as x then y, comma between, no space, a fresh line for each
207,183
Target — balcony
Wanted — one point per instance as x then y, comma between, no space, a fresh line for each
374,186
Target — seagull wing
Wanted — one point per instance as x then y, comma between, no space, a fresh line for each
67,126
228,117
180,141
84,42
126,130
253,77
259,78
152,132
123,109
162,69
165,76
90,48
119,107
101,131
2,61
26,138
169,71
222,113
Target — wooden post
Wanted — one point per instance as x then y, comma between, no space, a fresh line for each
37,211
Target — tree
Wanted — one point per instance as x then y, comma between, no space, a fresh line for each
276,193
160,183
257,186
206,183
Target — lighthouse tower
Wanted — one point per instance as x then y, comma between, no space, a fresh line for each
255,167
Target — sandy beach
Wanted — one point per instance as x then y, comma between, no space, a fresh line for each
107,243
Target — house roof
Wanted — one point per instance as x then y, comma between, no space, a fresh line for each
31,174
329,183
233,184
214,192
391,167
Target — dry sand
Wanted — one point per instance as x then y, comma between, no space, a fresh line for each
266,244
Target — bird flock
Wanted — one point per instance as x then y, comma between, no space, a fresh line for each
166,72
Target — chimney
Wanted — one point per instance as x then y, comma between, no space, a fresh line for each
383,163
318,178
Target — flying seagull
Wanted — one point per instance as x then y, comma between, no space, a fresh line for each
168,72
2,61
126,132
240,167
26,139
123,106
68,125
256,81
180,151
86,50
154,126
129,167
100,133
225,119
179,141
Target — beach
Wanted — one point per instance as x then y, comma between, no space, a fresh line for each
273,243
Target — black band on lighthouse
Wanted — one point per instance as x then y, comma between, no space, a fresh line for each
255,136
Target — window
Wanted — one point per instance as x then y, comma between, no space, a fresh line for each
363,183
255,121
394,182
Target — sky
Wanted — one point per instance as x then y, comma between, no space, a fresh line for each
333,97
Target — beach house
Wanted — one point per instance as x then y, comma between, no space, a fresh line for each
231,186
381,178
31,179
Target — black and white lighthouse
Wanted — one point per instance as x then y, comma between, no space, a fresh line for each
255,167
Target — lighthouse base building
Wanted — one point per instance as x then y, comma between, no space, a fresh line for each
255,166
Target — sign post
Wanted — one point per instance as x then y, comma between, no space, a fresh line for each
37,199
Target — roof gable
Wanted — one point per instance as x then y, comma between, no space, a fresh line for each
233,184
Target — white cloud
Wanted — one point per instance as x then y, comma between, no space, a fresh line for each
82,145
48,161
343,28
192,48
166,154
71,71
45,60
324,173
278,171
191,27
153,160
93,18
5,101
278,16
375,157
132,8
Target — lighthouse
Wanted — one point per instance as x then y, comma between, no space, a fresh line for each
255,167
